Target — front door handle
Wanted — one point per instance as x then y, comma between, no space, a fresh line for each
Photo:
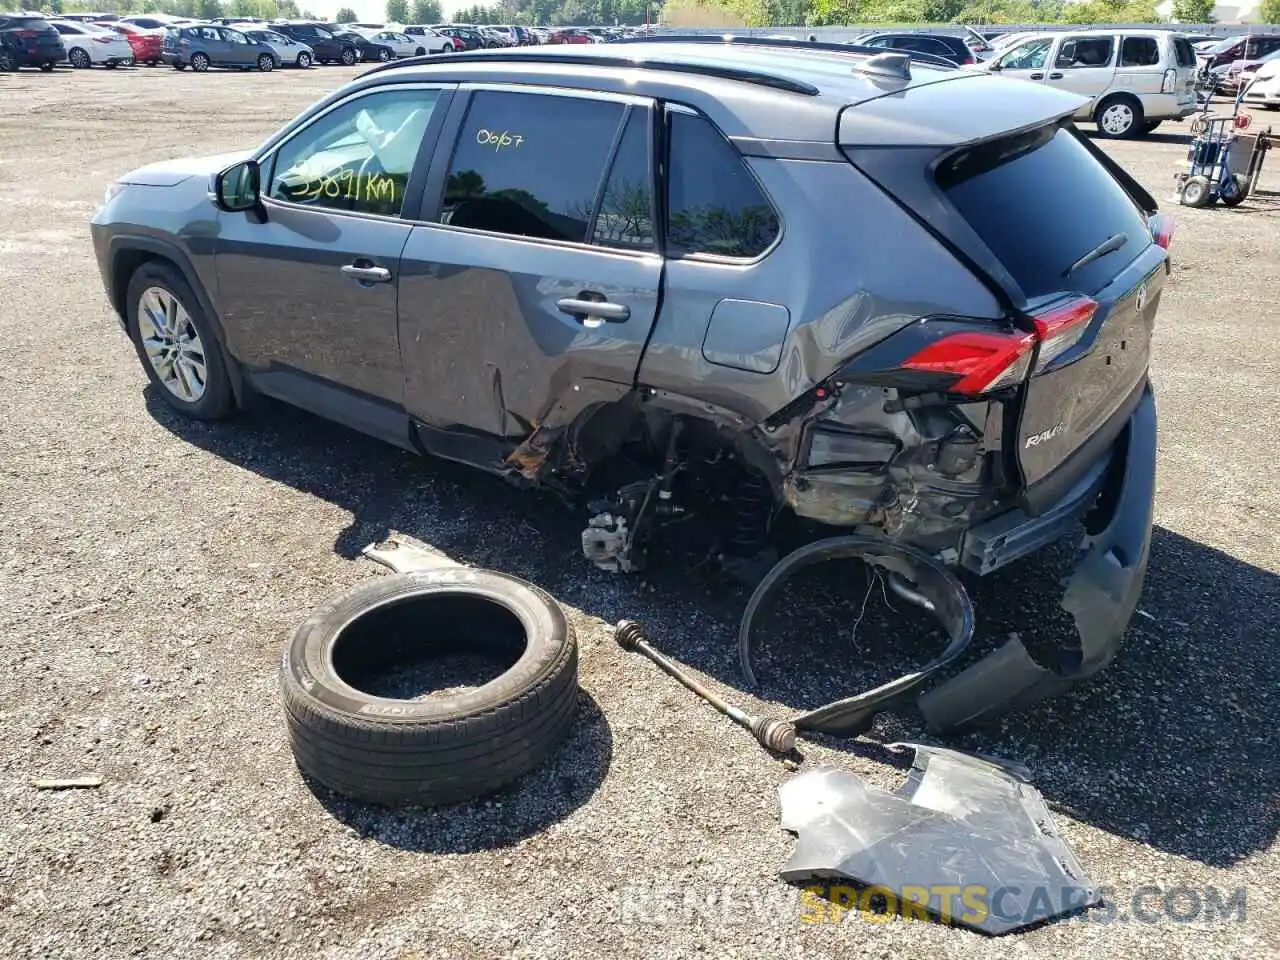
1036,76
365,272
1055,76
599,309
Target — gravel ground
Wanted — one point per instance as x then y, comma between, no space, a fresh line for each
153,568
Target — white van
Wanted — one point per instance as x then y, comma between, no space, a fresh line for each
1135,79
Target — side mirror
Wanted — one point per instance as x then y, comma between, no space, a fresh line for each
237,188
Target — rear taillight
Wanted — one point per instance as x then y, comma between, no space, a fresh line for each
101,39
1059,327
967,60
1167,85
1162,227
981,360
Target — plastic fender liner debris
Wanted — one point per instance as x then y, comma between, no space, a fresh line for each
931,586
965,841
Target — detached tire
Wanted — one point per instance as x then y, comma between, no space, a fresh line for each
443,748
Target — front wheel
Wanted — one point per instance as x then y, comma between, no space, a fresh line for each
384,54
176,343
1196,192
266,63
1119,118
348,57
47,67
8,64
79,58
199,62
420,52
304,60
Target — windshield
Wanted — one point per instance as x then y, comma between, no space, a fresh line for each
1223,45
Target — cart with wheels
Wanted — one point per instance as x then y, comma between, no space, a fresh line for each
1223,162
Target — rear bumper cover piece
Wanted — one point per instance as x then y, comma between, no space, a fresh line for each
1101,594
965,840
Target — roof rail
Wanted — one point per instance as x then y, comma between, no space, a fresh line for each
719,71
825,45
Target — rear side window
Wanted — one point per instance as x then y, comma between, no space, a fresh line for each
714,204
1184,52
1040,202
1085,52
530,165
1139,52
625,218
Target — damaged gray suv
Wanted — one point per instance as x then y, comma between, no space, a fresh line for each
756,281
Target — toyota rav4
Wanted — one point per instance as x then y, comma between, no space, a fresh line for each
744,280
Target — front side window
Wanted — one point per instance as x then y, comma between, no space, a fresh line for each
1084,52
1027,56
714,205
234,36
357,157
529,164
1139,52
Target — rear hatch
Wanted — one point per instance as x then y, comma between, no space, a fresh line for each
38,37
1058,233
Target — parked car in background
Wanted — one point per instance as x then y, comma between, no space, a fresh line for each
292,53
1251,46
942,45
466,38
406,45
368,49
29,41
432,41
88,44
202,47
1264,90
157,21
1134,79
147,45
497,37
1238,74
89,17
325,46
571,35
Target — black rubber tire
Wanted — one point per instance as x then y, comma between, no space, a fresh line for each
8,62
266,63
348,57
80,62
200,62
1136,126
218,400
1230,198
47,66
442,749
385,55
304,61
420,52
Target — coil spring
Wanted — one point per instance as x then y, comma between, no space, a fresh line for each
752,513
628,633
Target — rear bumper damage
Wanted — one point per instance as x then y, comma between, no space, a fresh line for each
1101,593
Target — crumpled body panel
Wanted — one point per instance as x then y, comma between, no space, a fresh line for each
967,839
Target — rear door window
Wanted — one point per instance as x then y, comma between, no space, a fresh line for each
1139,52
1040,202
1184,52
1086,52
1027,56
530,164
714,204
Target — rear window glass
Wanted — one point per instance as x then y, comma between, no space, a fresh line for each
1139,52
1040,201
1085,52
1185,53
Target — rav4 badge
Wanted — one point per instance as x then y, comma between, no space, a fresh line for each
1038,438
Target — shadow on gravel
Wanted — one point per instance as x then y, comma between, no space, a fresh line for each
528,806
1173,745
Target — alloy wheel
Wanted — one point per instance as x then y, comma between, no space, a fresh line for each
79,59
384,54
1117,119
199,63
266,64
304,60
172,344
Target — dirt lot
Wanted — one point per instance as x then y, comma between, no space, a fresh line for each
152,570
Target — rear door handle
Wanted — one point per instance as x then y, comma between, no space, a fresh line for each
1036,76
1055,76
600,309
366,272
